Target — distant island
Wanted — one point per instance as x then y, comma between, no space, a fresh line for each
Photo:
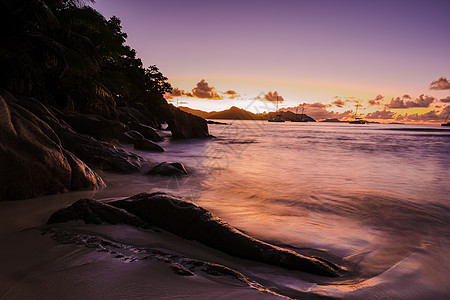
235,113
333,120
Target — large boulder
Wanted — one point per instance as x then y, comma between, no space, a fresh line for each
82,175
99,154
184,125
130,137
146,131
190,221
96,126
32,159
94,212
147,145
96,154
129,115
168,169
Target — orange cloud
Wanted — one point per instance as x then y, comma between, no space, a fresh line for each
338,103
203,90
233,94
377,101
273,97
176,92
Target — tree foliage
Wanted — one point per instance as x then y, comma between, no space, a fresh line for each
66,53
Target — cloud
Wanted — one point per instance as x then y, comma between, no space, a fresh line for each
338,103
431,116
203,90
316,104
421,101
445,100
440,84
273,97
381,114
377,101
176,92
233,94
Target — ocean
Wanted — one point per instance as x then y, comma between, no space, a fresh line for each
376,196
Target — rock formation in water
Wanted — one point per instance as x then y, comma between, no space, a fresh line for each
192,222
168,169
147,145
184,125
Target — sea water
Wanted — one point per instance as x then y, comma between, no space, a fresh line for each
377,195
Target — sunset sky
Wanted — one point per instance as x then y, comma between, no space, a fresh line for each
225,53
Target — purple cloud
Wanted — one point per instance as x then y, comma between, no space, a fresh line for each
441,84
400,103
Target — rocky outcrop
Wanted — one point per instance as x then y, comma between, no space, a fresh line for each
130,137
99,154
94,212
168,169
184,125
192,222
146,131
32,159
95,126
82,175
96,154
129,115
147,145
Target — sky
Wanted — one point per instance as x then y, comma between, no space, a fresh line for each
219,54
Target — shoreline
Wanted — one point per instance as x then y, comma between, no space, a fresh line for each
54,270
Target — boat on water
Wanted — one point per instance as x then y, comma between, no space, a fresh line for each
297,119
446,122
278,118
357,120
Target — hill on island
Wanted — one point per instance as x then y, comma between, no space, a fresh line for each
235,113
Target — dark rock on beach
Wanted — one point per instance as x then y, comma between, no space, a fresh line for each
146,131
99,154
94,212
130,137
93,152
147,145
168,169
33,161
129,115
192,222
82,176
96,126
